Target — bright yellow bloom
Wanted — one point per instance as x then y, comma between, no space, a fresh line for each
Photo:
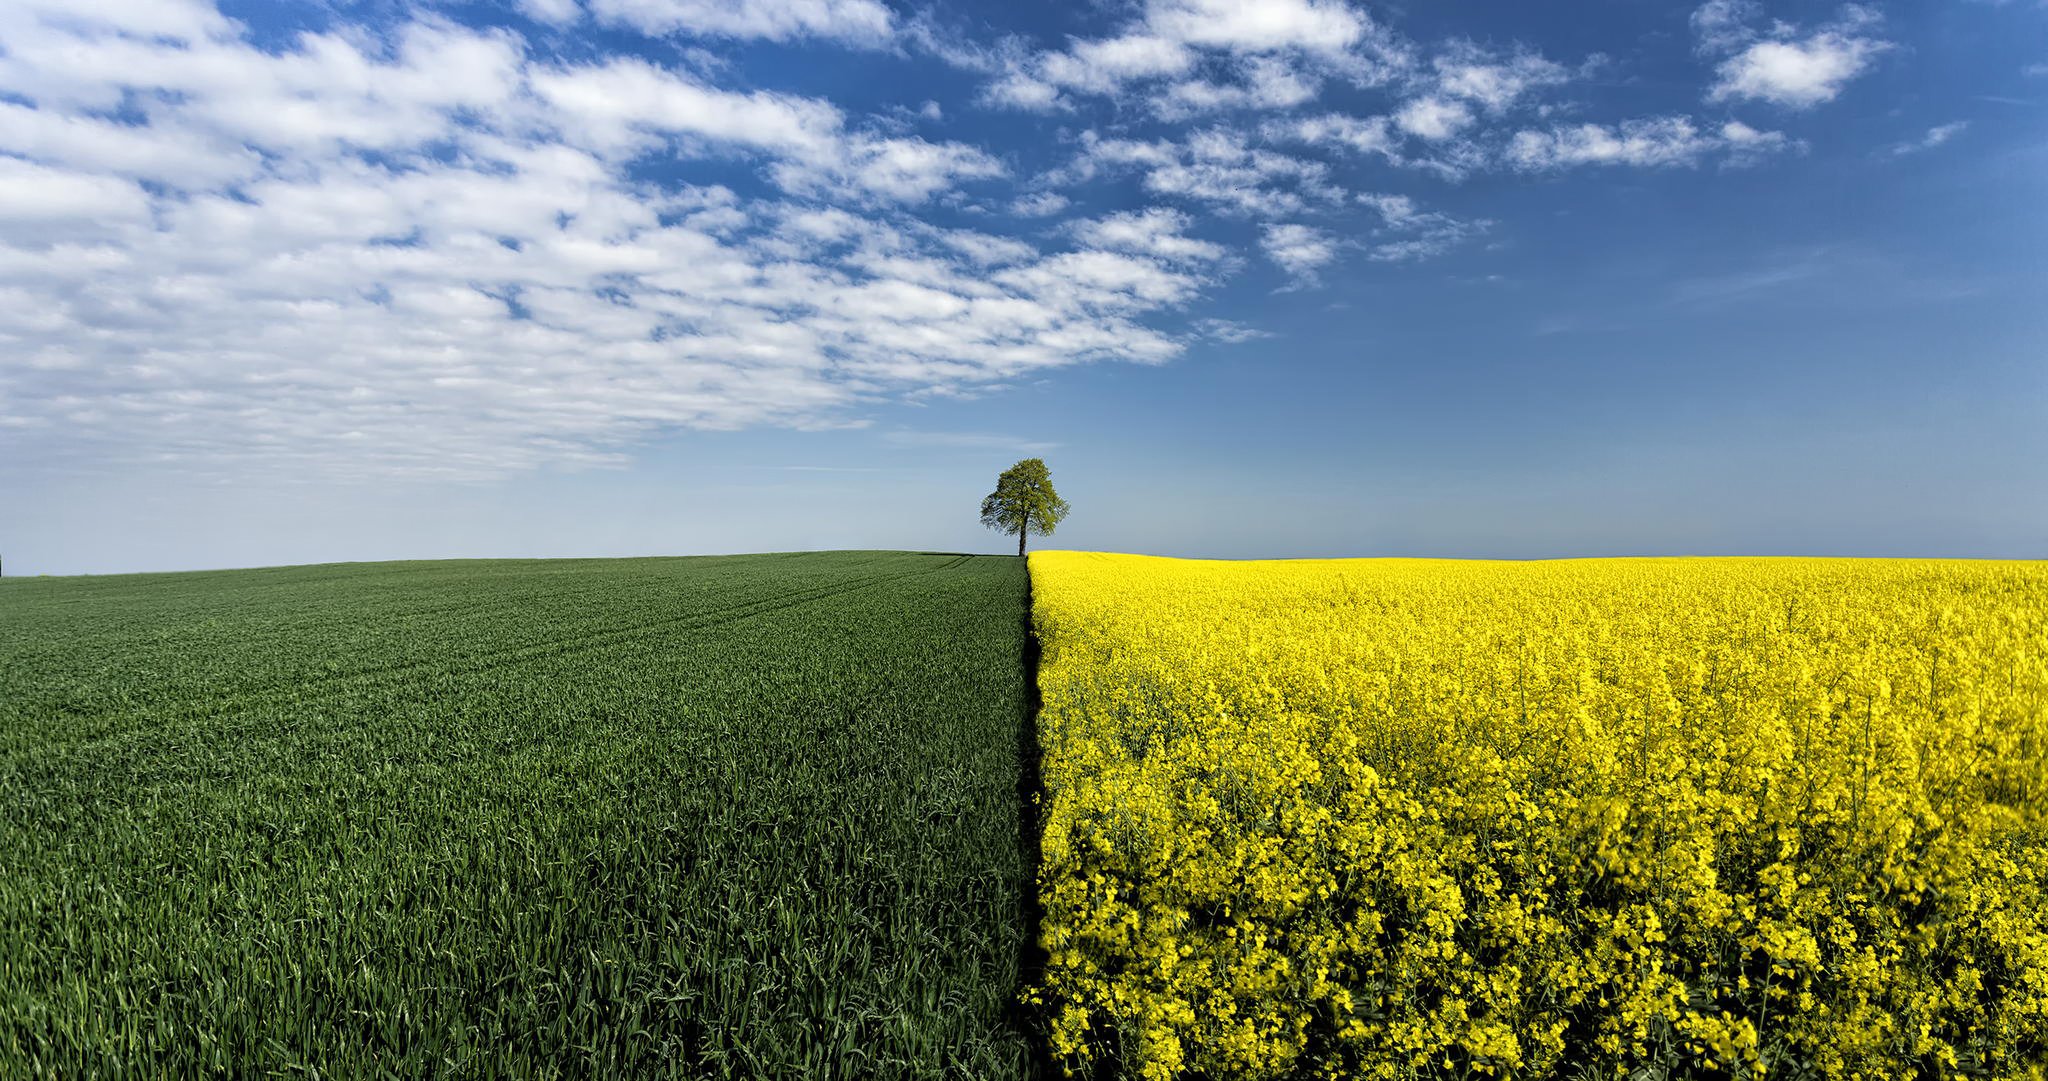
1397,818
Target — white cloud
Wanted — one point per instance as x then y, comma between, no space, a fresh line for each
1364,135
32,194
1724,26
1795,74
425,253
1039,204
1784,66
1229,332
906,170
1275,54
1100,281
1935,136
1189,58
1408,233
1433,118
628,106
178,20
1264,83
1746,145
1216,166
1652,142
1018,90
1469,72
1453,148
551,12
1450,108
424,249
858,22
163,153
629,103
1394,210
1298,249
1104,65
1155,231
1324,26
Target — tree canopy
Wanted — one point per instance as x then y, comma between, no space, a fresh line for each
1024,502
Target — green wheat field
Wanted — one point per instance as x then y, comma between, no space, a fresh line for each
656,817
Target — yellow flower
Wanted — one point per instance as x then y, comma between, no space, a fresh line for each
1390,818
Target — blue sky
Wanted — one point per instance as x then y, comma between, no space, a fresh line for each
286,282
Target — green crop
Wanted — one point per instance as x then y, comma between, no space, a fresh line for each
749,816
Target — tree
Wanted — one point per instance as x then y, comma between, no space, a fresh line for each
1024,502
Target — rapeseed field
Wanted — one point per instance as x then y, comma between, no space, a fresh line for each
1603,818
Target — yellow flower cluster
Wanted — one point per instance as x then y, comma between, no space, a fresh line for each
1604,818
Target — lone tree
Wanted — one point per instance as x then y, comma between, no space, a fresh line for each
1024,502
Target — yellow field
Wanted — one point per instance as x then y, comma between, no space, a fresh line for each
1399,818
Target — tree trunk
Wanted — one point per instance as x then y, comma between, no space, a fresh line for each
1021,527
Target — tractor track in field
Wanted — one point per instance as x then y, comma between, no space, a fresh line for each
327,688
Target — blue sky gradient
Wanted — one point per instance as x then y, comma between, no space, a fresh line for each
297,282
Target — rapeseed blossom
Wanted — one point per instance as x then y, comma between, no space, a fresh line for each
1408,818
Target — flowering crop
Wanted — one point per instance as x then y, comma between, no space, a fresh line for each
1651,818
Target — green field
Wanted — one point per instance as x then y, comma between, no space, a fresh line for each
746,816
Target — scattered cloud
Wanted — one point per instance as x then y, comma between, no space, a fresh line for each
1783,65
854,22
1187,59
1155,231
1467,72
1935,136
1795,74
1451,123
36,196
1746,145
551,12
1407,232
1228,331
1041,204
627,107
428,253
421,248
1433,118
1724,26
1327,27
1653,142
1298,249
1263,82
1357,135
1217,167
1200,56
